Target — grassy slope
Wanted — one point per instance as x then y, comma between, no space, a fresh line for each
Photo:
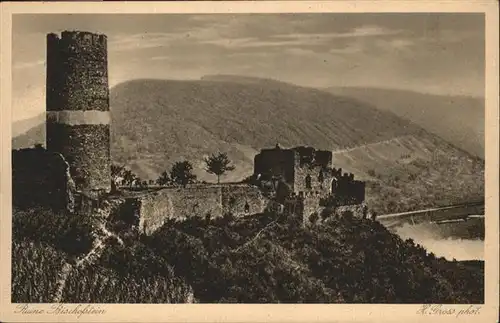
157,122
457,119
412,172
43,242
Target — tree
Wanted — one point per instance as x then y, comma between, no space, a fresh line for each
182,173
218,164
129,178
164,179
117,179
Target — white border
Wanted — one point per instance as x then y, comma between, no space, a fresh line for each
262,313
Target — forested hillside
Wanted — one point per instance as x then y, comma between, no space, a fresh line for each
261,258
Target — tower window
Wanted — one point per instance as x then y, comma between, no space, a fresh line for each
232,201
308,181
247,208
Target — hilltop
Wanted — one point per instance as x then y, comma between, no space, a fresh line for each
158,122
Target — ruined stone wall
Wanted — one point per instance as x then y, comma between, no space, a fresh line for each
275,162
317,215
312,179
294,206
179,204
346,190
204,201
77,100
311,204
311,156
244,199
312,171
39,178
357,210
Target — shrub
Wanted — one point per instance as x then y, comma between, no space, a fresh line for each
264,259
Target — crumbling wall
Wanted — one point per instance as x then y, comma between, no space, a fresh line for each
40,178
347,190
315,179
278,163
179,204
311,203
319,214
242,199
313,157
204,201
357,210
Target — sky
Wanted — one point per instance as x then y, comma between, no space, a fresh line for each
429,53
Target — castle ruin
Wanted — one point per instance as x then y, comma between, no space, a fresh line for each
299,181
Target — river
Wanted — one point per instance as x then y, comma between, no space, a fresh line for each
460,240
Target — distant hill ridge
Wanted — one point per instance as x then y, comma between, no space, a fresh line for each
158,122
190,118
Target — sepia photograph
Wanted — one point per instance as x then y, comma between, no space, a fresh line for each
248,158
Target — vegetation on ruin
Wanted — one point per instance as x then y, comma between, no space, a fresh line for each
182,173
124,175
218,164
163,179
261,258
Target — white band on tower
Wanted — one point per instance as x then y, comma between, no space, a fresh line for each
78,117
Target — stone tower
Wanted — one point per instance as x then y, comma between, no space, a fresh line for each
77,104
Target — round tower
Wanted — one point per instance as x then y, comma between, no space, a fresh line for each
77,104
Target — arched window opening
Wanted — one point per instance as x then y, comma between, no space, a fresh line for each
321,177
334,185
247,208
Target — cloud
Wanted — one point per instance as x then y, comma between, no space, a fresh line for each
141,41
253,43
161,58
300,39
225,36
353,48
362,31
300,51
193,36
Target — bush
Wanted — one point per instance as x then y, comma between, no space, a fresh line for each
261,259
